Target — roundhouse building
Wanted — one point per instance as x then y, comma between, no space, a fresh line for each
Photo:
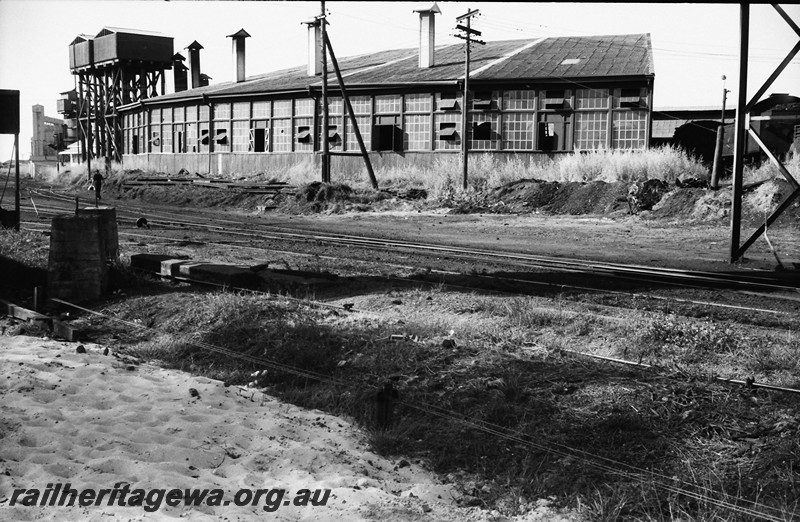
528,98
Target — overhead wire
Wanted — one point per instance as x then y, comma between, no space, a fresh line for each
599,461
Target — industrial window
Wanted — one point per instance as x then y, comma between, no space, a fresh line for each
282,108
448,141
361,105
483,136
221,141
555,99
387,104
553,132
222,111
335,131
387,134
203,141
202,113
482,100
304,107
135,144
518,130
630,98
191,113
241,110
417,102
166,138
447,101
629,130
180,113
191,137
417,134
177,140
519,100
281,135
335,106
155,116
303,134
591,130
261,109
259,140
447,131
166,115
591,98
241,136
155,142
364,129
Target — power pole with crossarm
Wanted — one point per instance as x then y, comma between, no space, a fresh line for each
467,34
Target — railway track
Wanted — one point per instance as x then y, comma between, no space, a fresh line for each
762,283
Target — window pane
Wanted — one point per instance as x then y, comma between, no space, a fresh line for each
629,129
361,105
518,129
591,130
241,136
191,137
261,109
282,108
179,114
335,106
519,100
191,113
592,98
418,102
303,126
281,134
203,115
166,138
304,107
241,110
222,111
387,104
417,132
364,129
489,144
452,118
155,116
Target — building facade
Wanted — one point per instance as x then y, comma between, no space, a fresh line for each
528,98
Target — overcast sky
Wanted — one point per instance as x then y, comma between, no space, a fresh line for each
693,44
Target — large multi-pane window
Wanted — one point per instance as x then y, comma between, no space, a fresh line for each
591,130
362,107
281,126
222,131
483,132
417,122
518,130
447,127
629,130
240,127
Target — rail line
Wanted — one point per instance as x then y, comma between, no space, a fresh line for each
763,284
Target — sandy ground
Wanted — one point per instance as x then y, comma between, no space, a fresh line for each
95,420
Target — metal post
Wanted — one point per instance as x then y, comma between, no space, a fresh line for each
740,135
16,177
326,149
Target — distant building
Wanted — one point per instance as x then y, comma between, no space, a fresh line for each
49,135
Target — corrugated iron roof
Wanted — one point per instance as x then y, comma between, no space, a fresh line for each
510,60
108,30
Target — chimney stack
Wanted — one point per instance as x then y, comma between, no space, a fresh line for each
194,62
204,80
427,33
314,47
179,72
237,45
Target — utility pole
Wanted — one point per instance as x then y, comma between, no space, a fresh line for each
326,147
466,35
718,168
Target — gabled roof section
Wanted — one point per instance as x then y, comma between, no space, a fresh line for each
81,38
541,60
110,30
578,57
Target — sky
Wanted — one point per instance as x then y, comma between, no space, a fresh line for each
694,45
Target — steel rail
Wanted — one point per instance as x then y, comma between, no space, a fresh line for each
660,275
